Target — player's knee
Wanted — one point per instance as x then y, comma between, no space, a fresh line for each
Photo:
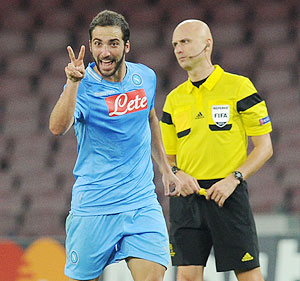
189,278
191,274
155,277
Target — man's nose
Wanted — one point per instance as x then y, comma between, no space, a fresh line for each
178,49
105,51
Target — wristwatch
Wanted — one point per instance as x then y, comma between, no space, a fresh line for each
238,175
175,169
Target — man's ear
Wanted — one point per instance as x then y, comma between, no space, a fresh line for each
127,47
90,45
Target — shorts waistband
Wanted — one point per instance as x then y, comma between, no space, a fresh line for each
208,183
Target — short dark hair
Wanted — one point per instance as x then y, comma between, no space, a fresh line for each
110,18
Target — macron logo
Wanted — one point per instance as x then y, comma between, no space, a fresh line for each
126,103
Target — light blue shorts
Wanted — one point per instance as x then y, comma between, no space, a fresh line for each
94,242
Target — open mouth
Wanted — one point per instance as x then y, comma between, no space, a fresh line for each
106,64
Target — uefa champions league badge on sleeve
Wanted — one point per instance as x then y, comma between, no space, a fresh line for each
137,79
264,120
221,114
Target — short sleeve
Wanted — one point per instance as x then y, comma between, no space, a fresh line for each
152,103
81,107
253,110
168,130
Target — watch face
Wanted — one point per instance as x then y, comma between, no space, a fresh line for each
238,175
175,169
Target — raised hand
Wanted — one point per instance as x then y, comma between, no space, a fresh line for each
75,70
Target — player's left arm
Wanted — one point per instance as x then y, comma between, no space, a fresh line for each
172,185
262,151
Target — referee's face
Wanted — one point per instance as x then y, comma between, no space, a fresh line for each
189,43
108,50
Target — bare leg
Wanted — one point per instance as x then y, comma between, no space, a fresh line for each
190,273
143,270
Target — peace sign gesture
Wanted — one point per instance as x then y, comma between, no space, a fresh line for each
75,70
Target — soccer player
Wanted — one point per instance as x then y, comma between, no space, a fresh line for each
115,213
205,127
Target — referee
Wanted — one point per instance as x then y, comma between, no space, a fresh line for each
205,127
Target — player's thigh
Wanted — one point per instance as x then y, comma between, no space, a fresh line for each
190,273
90,242
146,237
251,275
142,270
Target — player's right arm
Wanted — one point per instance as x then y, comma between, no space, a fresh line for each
62,115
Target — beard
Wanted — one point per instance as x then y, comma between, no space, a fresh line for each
111,73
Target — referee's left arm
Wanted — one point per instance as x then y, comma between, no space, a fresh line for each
260,154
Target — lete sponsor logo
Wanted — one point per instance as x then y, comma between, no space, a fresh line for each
126,103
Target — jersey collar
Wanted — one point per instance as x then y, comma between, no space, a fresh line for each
212,79
93,74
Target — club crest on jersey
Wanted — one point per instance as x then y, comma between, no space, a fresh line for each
74,257
126,103
221,114
137,79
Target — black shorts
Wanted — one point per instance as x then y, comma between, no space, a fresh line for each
197,225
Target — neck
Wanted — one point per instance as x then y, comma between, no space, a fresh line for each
201,72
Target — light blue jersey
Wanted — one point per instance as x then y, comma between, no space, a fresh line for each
114,171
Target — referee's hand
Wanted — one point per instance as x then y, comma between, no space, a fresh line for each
221,190
189,184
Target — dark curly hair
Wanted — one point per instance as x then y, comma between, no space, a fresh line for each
110,18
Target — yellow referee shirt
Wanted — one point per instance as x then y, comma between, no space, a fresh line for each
207,128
